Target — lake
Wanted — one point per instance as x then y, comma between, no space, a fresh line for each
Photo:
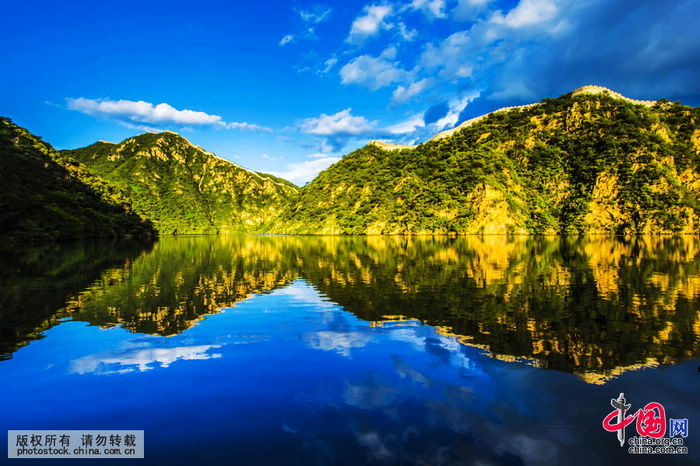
351,350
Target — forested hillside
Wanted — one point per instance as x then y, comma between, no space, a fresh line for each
586,162
46,195
184,189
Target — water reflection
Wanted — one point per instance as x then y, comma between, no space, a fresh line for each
37,281
140,359
181,280
591,306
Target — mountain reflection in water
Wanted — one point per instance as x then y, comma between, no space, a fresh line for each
590,306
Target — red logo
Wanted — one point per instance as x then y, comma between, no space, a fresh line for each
651,419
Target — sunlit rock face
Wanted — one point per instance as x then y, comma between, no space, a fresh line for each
184,189
592,306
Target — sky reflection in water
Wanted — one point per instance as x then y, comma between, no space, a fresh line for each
290,376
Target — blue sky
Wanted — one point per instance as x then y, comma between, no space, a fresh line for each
289,87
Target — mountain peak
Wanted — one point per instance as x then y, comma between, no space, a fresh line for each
592,89
182,188
388,146
588,89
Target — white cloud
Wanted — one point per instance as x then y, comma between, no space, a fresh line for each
456,106
493,39
431,8
406,33
370,23
450,56
286,39
134,113
142,112
330,63
469,9
300,291
248,127
341,123
111,362
146,128
373,72
407,126
340,342
316,15
403,94
301,172
527,13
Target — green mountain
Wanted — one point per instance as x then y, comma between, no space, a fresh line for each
46,195
589,161
184,189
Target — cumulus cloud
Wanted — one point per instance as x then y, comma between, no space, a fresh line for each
374,72
431,8
527,13
449,56
286,39
407,126
468,10
403,94
140,111
338,129
305,171
134,113
493,39
372,20
341,123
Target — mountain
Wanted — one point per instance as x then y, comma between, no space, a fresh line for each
46,195
590,161
184,189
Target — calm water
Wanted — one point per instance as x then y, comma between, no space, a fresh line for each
315,350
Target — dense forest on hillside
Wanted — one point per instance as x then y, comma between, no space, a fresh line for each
574,164
184,189
580,163
46,195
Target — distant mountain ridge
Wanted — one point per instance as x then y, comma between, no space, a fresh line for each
184,189
590,161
